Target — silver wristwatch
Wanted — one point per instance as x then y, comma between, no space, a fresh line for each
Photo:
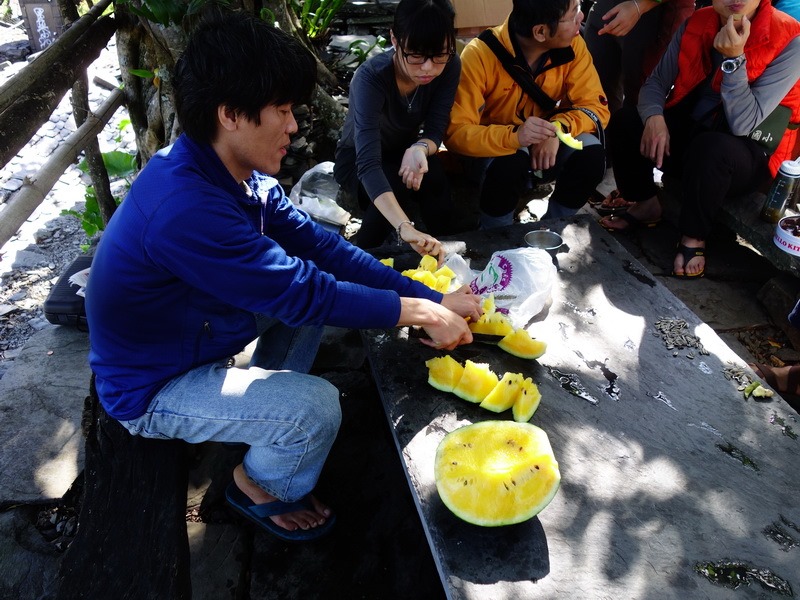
729,65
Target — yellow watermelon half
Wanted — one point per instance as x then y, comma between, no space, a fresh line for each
444,372
476,382
504,394
496,473
521,344
527,401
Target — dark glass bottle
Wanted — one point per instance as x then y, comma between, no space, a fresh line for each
782,192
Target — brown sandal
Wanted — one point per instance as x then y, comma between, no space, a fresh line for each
614,204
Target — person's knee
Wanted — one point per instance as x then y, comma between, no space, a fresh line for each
322,411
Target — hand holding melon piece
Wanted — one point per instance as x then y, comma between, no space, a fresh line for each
496,472
566,138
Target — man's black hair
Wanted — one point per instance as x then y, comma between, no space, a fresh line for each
237,60
425,26
526,14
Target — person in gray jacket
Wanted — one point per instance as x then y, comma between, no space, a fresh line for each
726,70
399,107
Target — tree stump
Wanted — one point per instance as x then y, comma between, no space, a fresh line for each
131,540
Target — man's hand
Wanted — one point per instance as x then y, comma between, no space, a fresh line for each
730,40
543,154
464,303
445,328
621,19
535,130
413,166
655,140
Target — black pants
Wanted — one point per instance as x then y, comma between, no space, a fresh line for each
435,202
711,166
576,177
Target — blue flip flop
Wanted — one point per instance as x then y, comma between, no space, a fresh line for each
260,515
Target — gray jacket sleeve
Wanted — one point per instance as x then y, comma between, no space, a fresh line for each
746,105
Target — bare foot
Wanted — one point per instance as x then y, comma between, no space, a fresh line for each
784,379
302,519
647,211
696,264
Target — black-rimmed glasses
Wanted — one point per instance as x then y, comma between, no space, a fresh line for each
421,59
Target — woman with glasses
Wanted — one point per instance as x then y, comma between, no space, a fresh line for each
399,106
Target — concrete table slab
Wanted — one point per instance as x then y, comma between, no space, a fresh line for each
665,466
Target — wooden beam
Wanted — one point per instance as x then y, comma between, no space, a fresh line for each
63,46
33,191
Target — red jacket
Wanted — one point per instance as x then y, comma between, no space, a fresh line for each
770,32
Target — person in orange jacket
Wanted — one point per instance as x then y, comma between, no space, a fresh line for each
511,134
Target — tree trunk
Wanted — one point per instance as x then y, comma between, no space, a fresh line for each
80,111
152,47
132,541
33,191
23,117
94,158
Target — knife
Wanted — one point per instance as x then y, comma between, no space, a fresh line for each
481,338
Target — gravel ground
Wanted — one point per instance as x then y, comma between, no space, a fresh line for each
32,261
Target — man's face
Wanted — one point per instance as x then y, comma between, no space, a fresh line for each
262,147
737,8
569,26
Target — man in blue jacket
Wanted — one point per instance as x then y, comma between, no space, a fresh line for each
206,254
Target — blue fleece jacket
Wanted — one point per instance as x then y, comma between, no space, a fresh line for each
190,256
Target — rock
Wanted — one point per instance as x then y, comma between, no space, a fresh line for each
12,185
29,563
15,51
7,308
27,259
41,400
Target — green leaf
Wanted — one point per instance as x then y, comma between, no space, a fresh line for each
143,73
119,164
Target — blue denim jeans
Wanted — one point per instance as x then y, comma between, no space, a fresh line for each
287,417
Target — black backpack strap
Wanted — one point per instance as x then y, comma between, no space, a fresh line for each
522,76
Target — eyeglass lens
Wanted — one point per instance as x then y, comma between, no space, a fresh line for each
419,59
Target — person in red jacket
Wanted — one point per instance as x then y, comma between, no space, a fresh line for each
699,116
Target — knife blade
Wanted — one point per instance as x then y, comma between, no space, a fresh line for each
481,338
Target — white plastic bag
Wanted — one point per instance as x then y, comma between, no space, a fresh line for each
316,194
521,280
